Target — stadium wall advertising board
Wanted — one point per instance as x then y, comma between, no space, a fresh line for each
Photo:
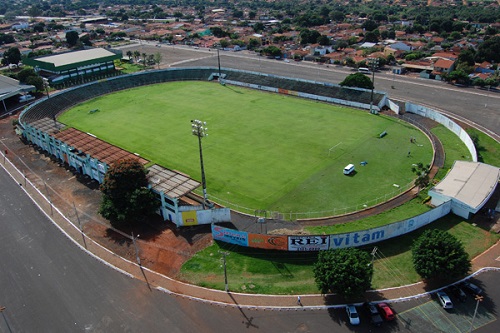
325,242
230,236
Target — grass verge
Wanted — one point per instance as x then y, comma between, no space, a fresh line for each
274,272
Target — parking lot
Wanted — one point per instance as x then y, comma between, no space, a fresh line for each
431,317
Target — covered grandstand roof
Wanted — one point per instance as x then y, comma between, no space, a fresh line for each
469,182
70,60
89,144
172,183
10,87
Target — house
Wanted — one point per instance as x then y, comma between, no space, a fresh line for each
400,46
20,26
443,66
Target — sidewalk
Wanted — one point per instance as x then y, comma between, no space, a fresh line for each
22,162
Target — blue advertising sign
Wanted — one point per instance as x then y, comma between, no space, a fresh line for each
229,235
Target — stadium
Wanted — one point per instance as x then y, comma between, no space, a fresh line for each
91,156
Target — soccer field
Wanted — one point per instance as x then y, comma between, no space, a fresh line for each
264,150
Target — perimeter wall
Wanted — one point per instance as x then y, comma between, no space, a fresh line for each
325,242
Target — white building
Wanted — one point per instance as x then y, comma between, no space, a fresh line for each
469,185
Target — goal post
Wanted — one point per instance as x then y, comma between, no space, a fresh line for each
332,148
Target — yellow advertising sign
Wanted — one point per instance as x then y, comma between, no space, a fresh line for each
189,218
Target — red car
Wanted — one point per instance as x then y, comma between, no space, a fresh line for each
385,311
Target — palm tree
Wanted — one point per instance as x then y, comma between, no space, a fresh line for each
144,56
422,175
137,54
129,54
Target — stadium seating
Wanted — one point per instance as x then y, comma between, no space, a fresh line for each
65,99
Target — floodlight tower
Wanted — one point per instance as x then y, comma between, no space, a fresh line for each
218,61
199,129
373,62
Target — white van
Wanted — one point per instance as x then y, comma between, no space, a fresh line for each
349,169
364,70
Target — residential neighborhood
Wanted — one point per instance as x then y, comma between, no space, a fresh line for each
454,41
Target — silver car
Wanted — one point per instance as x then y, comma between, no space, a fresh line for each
445,300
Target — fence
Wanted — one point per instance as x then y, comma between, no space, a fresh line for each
334,211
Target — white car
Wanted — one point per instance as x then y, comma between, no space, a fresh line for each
353,314
26,98
444,300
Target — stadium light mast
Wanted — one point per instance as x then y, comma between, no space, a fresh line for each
373,62
218,62
199,129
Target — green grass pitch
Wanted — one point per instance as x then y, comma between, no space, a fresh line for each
264,150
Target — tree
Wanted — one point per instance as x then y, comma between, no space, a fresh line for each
272,51
12,56
72,38
253,44
422,173
358,80
23,75
86,40
125,196
438,254
137,54
36,81
157,59
347,272
34,11
369,25
489,50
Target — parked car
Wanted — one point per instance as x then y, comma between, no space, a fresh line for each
472,288
26,98
353,314
445,300
372,311
458,293
386,311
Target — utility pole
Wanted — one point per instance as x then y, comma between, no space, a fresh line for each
478,299
373,62
374,251
136,249
224,254
218,61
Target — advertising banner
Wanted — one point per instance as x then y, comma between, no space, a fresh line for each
229,235
308,243
189,218
364,237
268,242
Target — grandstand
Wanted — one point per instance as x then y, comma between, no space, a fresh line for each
58,102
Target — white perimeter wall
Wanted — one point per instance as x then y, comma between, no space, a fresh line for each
445,121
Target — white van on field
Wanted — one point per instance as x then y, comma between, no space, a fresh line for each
349,169
364,70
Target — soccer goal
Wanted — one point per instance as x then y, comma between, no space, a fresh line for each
333,148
